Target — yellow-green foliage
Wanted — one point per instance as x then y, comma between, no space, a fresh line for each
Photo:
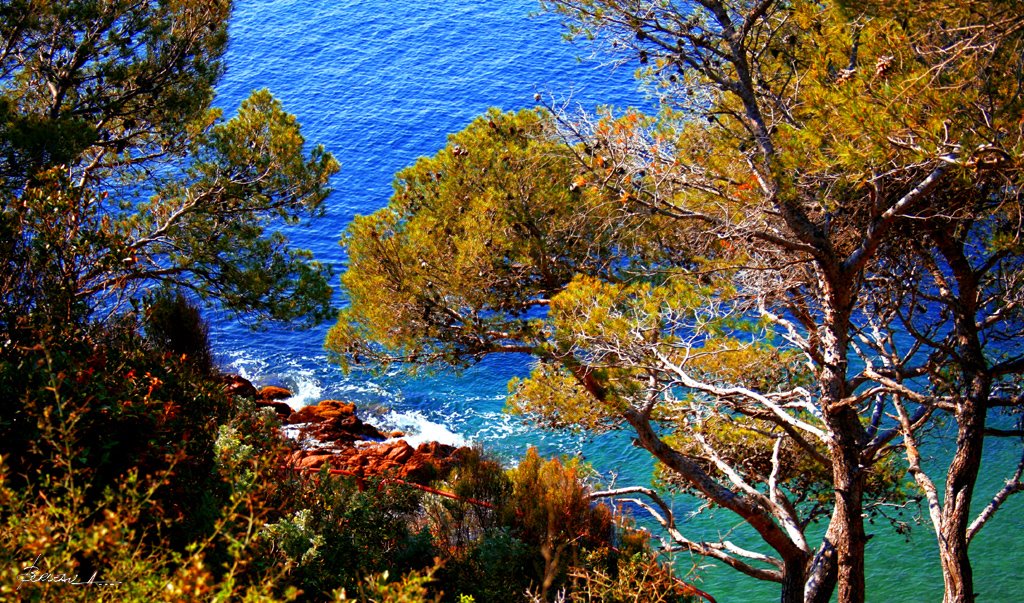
478,225
176,525
409,588
637,578
550,503
475,241
554,398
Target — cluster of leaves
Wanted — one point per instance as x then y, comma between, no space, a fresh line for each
532,528
776,282
116,464
338,534
474,244
116,173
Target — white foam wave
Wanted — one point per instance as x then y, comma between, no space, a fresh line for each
245,365
365,387
419,429
305,391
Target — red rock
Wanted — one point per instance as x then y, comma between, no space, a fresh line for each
335,408
314,461
272,392
282,409
399,452
419,470
322,411
435,449
334,423
236,385
379,466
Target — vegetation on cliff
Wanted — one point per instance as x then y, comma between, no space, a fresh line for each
777,284
128,472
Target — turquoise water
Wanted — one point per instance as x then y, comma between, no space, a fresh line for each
381,83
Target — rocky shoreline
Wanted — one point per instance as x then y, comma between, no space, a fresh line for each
330,433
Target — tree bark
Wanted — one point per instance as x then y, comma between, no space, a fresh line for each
961,476
849,538
794,574
822,574
971,414
846,433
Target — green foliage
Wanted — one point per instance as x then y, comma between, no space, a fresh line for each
411,588
551,506
214,218
121,79
125,198
473,244
509,531
117,174
164,508
554,398
338,535
198,497
483,489
497,567
175,326
532,521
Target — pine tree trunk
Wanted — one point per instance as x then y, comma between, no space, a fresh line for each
846,529
957,574
971,413
793,577
960,479
821,577
850,539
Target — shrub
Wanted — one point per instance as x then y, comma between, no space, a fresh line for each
410,588
132,462
76,511
336,535
119,471
175,326
607,577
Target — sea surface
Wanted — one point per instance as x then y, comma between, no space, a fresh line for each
380,83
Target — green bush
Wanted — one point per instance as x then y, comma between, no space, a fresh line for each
132,462
175,326
532,528
122,482
112,464
336,535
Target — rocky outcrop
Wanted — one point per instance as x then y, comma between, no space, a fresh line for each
273,392
330,433
394,458
236,385
332,421
269,396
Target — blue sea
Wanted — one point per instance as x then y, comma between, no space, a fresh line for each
381,83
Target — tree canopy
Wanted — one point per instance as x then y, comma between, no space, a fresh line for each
117,173
805,256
